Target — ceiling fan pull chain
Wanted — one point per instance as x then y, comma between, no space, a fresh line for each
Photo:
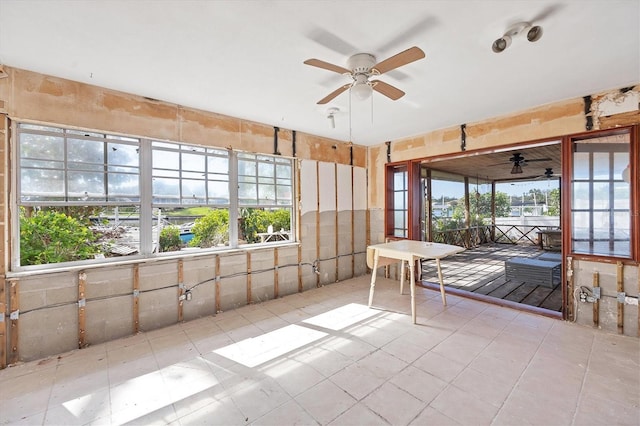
350,138
372,110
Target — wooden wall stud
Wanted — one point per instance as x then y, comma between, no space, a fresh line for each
596,303
181,291
14,305
3,325
82,315
136,298
620,286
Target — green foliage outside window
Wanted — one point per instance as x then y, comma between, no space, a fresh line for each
170,239
479,210
211,230
553,208
255,221
48,236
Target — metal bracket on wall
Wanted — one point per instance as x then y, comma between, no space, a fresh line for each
388,143
621,297
136,293
293,142
82,303
13,316
587,112
350,154
463,137
275,141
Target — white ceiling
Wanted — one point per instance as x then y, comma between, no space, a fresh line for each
245,58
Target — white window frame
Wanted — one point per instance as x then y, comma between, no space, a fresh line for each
145,203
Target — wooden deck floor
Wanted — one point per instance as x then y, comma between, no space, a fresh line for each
481,270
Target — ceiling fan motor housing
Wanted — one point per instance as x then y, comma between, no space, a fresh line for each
361,63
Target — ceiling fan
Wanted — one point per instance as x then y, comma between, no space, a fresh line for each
361,67
548,173
518,161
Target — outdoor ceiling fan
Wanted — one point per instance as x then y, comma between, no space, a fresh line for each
361,67
518,161
548,173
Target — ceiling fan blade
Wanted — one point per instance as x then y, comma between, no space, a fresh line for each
403,58
388,90
333,94
537,159
331,41
327,66
409,33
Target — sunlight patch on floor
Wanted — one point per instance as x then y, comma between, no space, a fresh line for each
258,350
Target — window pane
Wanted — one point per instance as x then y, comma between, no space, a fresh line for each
122,155
284,194
266,170
86,152
267,194
193,162
218,192
86,186
246,168
247,193
283,171
601,167
621,195
218,165
40,185
398,200
581,195
581,165
601,195
121,184
193,190
398,181
41,147
165,160
166,191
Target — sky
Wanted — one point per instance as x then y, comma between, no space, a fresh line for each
456,189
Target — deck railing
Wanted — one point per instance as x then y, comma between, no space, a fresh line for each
505,234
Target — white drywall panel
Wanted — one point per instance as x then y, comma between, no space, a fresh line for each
308,186
359,188
345,187
327,178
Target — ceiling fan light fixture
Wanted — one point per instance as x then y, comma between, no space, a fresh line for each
517,169
501,44
361,91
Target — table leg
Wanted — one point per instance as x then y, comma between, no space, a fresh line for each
373,276
444,297
401,276
413,290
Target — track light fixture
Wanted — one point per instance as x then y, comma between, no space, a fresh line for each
533,34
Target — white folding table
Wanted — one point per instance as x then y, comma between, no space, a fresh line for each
408,251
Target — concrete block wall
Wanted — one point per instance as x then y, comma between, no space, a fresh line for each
199,275
49,321
109,312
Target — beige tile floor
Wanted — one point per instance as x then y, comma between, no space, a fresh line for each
323,357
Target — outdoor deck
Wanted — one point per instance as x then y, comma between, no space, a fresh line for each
481,270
